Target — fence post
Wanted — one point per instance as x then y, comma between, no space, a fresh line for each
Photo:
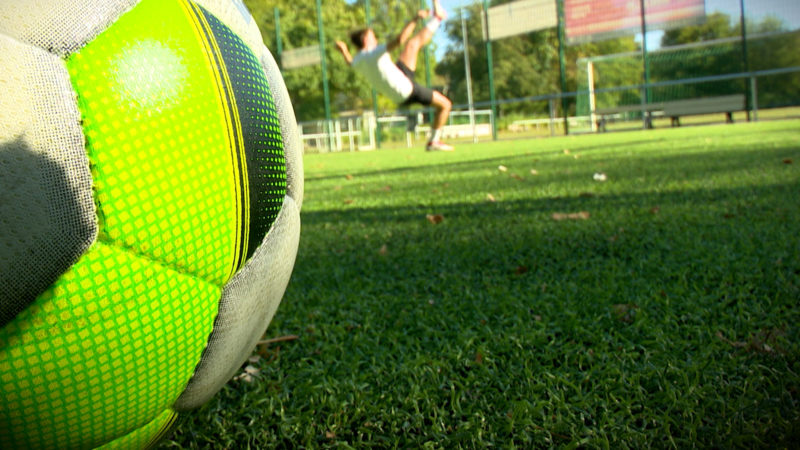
278,41
562,64
373,131
325,91
468,74
745,62
490,71
646,63
427,53
592,99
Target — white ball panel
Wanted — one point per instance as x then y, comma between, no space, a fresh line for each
47,213
246,307
59,26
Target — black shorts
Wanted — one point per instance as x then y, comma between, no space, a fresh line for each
420,94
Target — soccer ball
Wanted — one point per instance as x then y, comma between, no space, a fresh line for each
150,194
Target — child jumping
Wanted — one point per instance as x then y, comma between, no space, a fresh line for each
396,80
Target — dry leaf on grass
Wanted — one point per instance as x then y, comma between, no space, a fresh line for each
625,312
762,342
288,337
502,168
581,215
534,172
269,354
787,161
737,344
520,270
248,375
383,250
490,197
435,218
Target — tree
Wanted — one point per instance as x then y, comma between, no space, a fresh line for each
298,23
769,46
523,66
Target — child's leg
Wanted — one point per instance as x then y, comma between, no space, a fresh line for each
412,47
438,11
442,105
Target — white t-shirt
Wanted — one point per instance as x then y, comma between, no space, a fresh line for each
377,66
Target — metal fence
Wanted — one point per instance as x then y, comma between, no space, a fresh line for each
554,67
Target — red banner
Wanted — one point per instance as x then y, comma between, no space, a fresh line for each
595,20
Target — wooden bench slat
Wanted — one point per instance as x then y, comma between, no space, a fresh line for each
708,105
675,109
650,107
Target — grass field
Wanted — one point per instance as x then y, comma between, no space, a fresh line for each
440,301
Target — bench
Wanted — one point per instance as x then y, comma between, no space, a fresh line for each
709,105
605,112
525,124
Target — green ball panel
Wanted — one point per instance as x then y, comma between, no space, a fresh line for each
147,436
159,139
103,352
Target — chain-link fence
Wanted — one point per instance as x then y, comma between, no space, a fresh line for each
550,67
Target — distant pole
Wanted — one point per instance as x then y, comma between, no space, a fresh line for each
646,63
592,99
562,64
427,53
374,93
468,74
745,62
324,73
278,41
490,72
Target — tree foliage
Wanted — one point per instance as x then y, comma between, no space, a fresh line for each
525,65
769,45
298,28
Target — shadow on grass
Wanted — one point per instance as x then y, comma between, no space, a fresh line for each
625,207
700,162
506,310
501,326
631,246
458,165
